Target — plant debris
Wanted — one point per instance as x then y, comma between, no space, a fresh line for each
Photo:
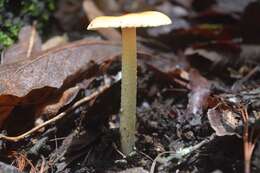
198,96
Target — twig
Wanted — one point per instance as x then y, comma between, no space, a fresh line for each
2,57
42,165
159,157
31,41
145,155
179,154
118,151
248,140
20,156
237,85
59,116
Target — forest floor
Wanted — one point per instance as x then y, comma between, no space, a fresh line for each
198,91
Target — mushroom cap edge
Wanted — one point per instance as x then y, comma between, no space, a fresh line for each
142,19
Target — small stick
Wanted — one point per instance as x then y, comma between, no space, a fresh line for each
145,155
179,154
19,156
59,116
249,141
237,84
42,165
31,41
118,151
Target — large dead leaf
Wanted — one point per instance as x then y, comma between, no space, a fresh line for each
29,44
53,68
35,79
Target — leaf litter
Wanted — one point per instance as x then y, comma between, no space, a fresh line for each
196,79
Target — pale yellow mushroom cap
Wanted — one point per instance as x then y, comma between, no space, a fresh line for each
143,19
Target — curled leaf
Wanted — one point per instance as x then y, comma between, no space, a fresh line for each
35,80
224,122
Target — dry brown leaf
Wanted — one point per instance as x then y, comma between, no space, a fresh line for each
53,68
53,105
29,44
33,81
168,67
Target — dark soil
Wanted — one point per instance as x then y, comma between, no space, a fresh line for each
87,140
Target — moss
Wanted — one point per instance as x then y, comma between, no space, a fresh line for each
5,40
14,14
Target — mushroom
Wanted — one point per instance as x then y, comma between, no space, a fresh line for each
128,24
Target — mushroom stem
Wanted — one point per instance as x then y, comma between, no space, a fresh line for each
128,90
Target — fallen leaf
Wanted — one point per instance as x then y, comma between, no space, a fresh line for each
214,56
224,122
169,67
53,68
53,105
29,44
35,80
